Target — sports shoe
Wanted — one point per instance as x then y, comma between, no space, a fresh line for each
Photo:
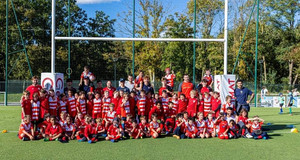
265,138
131,137
167,133
112,140
255,137
280,112
249,136
90,141
141,137
177,137
81,140
46,139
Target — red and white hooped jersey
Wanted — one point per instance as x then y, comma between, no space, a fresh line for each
72,104
207,104
62,122
105,106
191,128
154,125
69,127
165,104
87,75
127,107
97,105
201,125
255,127
210,125
63,106
142,105
35,110
175,104
170,79
225,106
110,116
25,127
53,101
82,106
208,78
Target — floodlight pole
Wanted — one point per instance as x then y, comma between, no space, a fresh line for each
6,55
225,36
53,38
194,46
69,34
256,52
133,36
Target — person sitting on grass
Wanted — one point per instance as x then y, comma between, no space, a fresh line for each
223,126
89,131
255,127
26,131
43,125
113,132
233,130
53,131
179,127
69,129
135,132
191,129
155,129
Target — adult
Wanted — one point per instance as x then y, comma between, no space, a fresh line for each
146,85
130,83
86,74
209,78
86,87
109,88
241,93
123,87
99,88
69,87
35,87
186,86
295,92
264,91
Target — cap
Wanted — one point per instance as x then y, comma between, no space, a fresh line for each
122,80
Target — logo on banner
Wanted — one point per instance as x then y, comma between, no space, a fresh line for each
59,84
47,83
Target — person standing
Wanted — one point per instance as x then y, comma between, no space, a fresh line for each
130,83
35,87
69,86
122,86
241,93
185,87
264,91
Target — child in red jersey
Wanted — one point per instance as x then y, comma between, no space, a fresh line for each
110,116
170,77
69,129
135,132
158,110
90,103
170,119
133,98
53,131
62,119
201,125
86,74
115,100
206,103
149,103
100,128
25,104
165,101
233,130
90,134
216,104
113,132
193,104
210,126
26,131
144,127
255,128
155,129
44,103
71,104
156,98
97,102
141,104
127,125
80,125
223,126
62,104
105,103
179,127
164,87
242,122
99,88
53,103
125,106
81,103
175,102
204,88
191,129
186,117
182,103
228,104
42,126
35,110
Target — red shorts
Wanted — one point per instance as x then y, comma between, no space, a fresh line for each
97,115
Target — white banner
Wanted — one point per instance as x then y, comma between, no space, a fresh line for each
225,85
54,81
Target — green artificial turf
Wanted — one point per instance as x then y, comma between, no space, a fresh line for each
281,145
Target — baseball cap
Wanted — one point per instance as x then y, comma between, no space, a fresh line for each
122,80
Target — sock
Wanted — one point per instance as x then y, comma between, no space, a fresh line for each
281,110
243,131
93,139
78,137
290,110
259,137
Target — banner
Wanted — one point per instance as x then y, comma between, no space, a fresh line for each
53,81
225,85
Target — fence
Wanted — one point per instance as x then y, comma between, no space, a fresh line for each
16,87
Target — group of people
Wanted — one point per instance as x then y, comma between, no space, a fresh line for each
136,111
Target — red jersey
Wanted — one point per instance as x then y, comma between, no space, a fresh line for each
44,124
205,89
53,105
210,125
26,105
99,90
125,109
208,78
89,107
110,116
144,127
105,105
170,79
141,105
89,130
53,129
165,104
97,105
132,102
113,130
182,126
35,110
115,101
110,90
80,123
25,127
254,127
154,125
33,89
159,112
192,106
215,103
182,105
44,106
135,132
225,106
207,105
175,104
223,125
62,106
71,103
81,104
69,129
99,127
185,88
86,75
243,119
161,89
191,129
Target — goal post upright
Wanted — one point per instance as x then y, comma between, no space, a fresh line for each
53,37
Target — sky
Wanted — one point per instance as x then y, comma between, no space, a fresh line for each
115,7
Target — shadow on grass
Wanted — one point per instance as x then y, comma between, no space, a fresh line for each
275,127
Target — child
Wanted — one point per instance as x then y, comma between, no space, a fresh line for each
149,103
125,106
186,117
141,104
204,88
89,132
53,103
290,101
179,127
100,129
201,125
255,127
144,127
132,102
26,131
158,110
281,102
71,103
206,103
42,126
53,131
175,102
156,98
44,103
25,104
233,130
81,103
182,103
62,120
154,127
127,125
193,104
223,126
210,126
99,88
191,129
110,116
115,100
164,101
80,125
90,104
97,106
135,132
170,119
230,115
35,104
69,129
113,132
106,101
227,105
86,74
242,122
164,87
62,104
170,77
215,104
